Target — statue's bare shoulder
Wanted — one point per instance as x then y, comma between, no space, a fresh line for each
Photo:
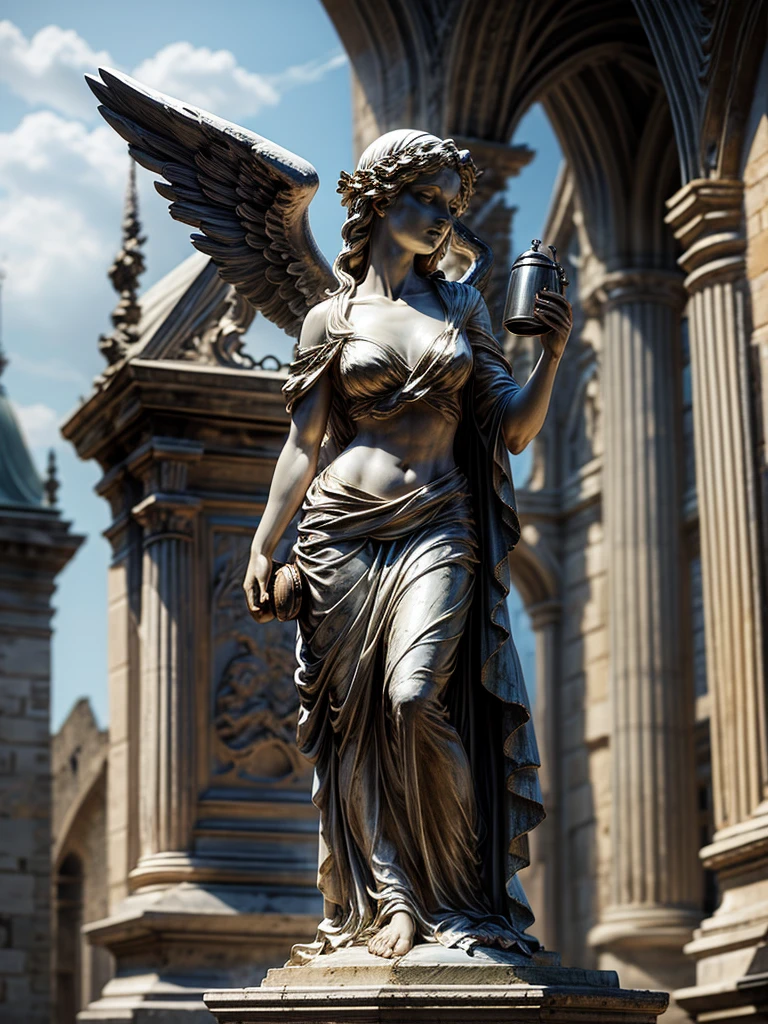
314,328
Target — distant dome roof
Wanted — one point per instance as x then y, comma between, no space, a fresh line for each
20,483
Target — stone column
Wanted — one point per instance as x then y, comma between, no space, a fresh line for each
655,880
167,717
707,217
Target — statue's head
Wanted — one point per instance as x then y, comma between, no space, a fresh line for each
418,183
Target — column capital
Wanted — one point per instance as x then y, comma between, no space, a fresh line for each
635,284
166,516
706,217
544,613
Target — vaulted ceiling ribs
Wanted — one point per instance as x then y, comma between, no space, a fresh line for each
472,68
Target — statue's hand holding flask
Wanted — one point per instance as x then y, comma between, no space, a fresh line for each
536,304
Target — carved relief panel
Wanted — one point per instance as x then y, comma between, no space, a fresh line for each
254,704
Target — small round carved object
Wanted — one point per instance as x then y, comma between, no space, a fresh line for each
285,591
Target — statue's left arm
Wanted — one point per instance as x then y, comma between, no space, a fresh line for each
526,407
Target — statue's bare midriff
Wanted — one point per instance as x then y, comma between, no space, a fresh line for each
392,456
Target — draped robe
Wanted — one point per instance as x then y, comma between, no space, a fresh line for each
414,709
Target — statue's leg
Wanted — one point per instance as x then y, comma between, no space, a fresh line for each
427,778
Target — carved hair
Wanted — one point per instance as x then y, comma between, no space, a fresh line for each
387,166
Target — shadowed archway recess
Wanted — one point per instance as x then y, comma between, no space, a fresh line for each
470,69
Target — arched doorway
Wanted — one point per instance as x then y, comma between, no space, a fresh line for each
68,922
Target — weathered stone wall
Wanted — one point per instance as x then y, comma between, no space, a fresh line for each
25,809
34,546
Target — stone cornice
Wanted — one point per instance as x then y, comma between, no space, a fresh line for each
39,542
214,394
706,217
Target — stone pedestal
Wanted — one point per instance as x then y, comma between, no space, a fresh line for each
173,944
434,984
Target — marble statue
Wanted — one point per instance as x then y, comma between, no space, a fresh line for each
403,408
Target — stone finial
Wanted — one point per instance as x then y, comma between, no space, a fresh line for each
124,275
51,484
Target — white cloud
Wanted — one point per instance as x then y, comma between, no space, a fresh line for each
48,69
211,79
57,213
312,71
61,180
40,424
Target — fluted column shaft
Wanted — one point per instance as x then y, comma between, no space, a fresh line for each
707,216
166,706
167,693
655,881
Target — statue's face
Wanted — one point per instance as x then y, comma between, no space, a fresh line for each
420,217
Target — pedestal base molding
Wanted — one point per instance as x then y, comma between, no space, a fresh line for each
731,947
172,945
436,985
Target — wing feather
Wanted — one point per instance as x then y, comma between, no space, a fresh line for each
247,197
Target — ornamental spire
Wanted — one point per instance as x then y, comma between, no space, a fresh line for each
51,483
124,275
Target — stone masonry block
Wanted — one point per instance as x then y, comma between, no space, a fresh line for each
13,686
757,255
25,656
11,706
24,730
20,839
760,307
17,893
13,961
33,760
598,722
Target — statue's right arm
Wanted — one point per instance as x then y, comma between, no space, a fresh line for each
294,471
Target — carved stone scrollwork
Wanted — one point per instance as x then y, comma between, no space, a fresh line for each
221,344
255,713
255,703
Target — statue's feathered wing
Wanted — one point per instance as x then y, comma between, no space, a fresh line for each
247,196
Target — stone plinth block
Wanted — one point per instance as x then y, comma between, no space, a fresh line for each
437,985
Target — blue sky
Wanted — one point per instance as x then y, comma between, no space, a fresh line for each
278,69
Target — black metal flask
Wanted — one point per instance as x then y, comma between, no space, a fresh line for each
533,271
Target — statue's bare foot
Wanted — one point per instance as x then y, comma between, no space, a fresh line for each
395,938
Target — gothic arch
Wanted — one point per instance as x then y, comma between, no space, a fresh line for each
471,69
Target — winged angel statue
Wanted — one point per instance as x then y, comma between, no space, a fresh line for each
403,409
